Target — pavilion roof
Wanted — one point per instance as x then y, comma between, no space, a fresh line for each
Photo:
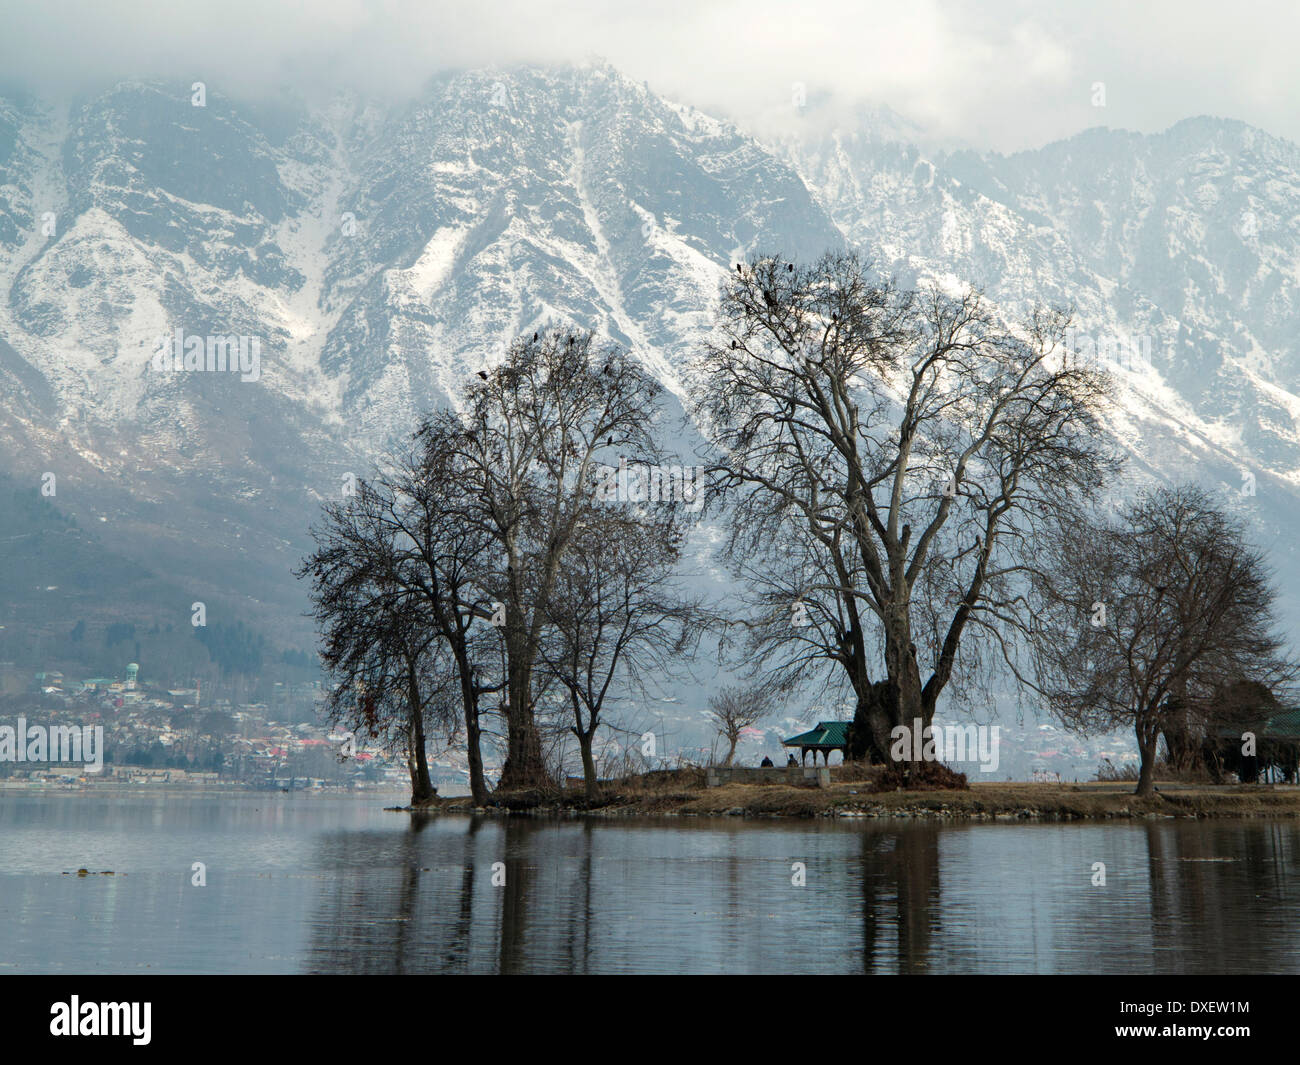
826,734
1281,725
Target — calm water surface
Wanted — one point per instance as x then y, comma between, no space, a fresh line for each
339,885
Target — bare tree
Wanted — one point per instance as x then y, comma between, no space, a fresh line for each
909,448
734,709
617,614
376,640
462,541
397,569
443,559
534,432
1144,619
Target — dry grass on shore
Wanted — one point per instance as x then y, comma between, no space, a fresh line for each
682,792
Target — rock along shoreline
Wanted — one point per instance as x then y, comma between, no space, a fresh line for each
1016,803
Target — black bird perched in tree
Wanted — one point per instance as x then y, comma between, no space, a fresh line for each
534,338
738,268
608,368
789,267
733,345
483,374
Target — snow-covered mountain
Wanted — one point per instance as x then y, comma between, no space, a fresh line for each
1179,253
380,255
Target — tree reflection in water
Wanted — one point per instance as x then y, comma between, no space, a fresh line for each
880,897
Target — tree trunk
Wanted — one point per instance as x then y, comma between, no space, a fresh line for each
422,790
903,672
473,734
524,767
1184,747
1147,775
477,783
896,700
877,712
473,749
588,765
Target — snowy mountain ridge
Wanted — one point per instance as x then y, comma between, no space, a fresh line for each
382,255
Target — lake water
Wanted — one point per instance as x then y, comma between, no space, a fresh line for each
339,885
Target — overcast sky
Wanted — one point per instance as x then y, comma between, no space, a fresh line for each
1001,74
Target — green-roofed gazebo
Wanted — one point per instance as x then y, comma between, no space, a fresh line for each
1278,752
826,737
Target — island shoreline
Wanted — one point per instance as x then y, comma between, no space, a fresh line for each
980,803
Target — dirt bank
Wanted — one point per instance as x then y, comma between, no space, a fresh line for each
981,802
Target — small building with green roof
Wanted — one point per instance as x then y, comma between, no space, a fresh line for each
828,736
1277,751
